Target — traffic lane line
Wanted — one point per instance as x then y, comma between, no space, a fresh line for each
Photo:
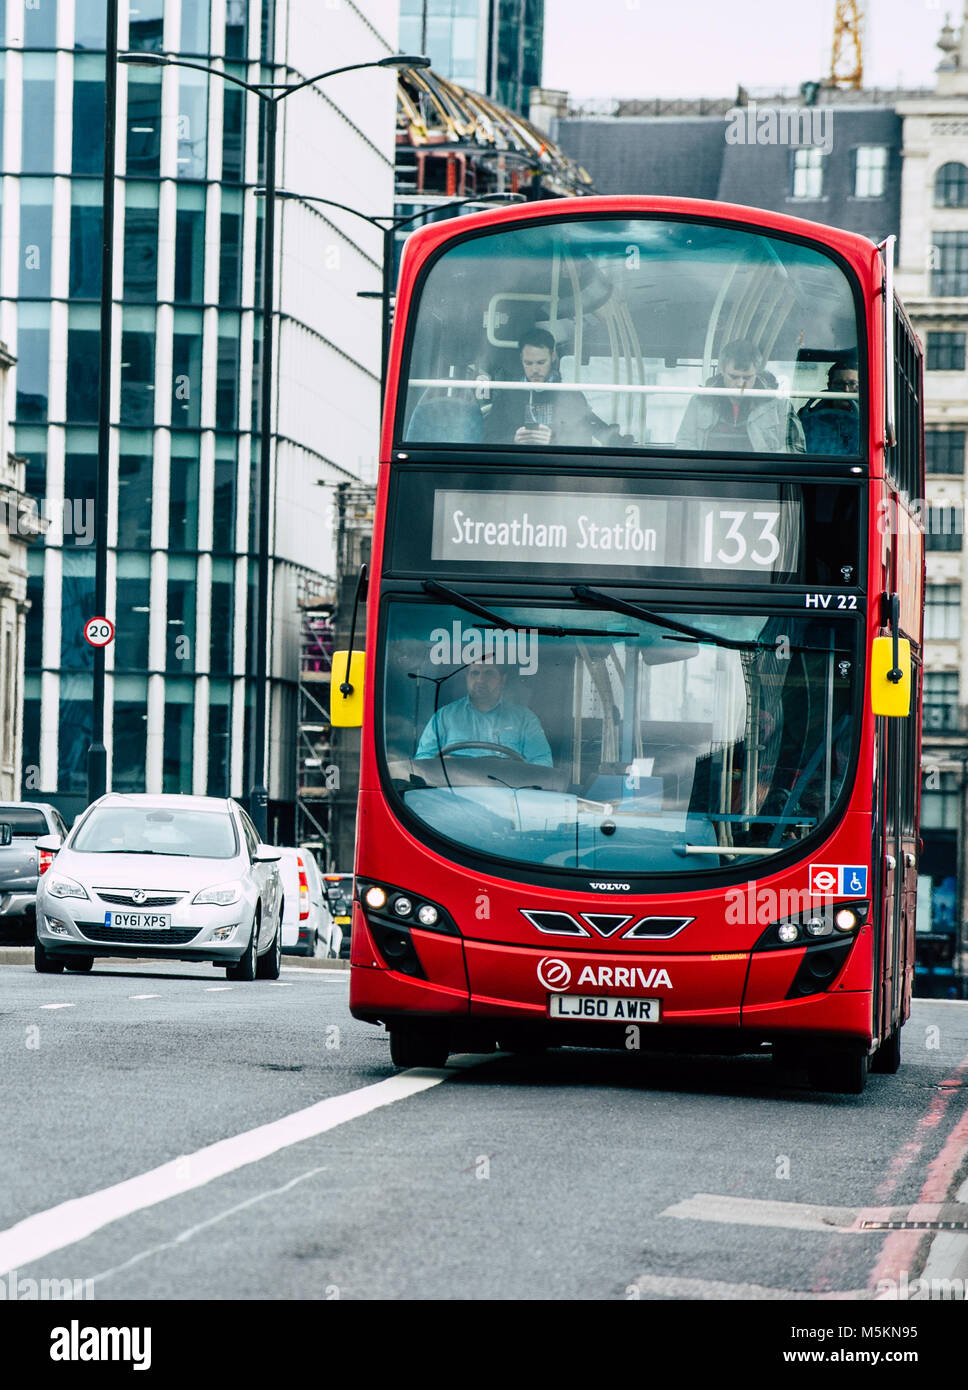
709,1290
75,1220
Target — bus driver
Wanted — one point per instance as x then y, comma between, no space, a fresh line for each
484,716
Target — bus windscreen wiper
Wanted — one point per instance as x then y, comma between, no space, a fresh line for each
697,634
459,600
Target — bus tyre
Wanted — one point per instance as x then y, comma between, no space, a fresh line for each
268,966
414,1046
44,962
887,1059
245,967
844,1073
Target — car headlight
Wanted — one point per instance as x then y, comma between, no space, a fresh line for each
221,895
59,887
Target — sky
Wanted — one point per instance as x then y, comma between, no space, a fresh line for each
597,49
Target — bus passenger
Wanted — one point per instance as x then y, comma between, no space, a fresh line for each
833,427
545,417
484,716
730,424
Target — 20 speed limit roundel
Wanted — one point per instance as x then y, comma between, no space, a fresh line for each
99,631
554,973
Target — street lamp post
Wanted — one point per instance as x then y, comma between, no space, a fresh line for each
97,758
389,225
271,93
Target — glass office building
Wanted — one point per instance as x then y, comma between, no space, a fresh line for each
182,534
492,46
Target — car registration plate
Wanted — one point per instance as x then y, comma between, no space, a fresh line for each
138,921
603,1007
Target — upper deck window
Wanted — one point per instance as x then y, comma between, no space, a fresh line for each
643,334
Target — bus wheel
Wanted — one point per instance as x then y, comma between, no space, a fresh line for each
887,1059
414,1046
844,1073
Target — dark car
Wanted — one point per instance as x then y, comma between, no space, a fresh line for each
21,863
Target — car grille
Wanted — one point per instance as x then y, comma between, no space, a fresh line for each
124,897
175,936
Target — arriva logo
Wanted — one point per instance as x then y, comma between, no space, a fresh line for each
554,973
624,977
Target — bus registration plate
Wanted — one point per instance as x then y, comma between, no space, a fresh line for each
604,1007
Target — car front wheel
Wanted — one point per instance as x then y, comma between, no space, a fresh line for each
245,967
268,966
44,962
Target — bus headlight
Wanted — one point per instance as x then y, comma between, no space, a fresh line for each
788,931
385,903
813,928
427,915
375,897
845,919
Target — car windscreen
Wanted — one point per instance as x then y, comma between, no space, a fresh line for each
24,821
135,830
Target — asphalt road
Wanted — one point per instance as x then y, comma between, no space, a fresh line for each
574,1175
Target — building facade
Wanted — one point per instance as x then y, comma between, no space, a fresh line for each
184,452
494,47
19,526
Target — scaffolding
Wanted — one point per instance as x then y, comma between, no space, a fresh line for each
314,761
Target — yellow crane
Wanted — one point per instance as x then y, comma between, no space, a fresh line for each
847,55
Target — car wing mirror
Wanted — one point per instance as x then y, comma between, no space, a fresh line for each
6,834
266,854
49,842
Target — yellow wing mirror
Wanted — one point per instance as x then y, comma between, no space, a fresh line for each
346,690
891,670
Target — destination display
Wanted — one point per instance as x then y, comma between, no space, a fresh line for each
666,531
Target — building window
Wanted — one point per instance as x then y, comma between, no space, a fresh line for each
183,493
940,705
33,351
87,220
236,21
141,243
90,24
130,728
226,473
145,31
77,605
223,617
138,367
83,368
940,803
951,186
87,135
190,246
36,200
186,376
75,721
944,451
192,125
945,526
230,256
219,738
133,615
807,173
942,613
227,373
135,467
870,171
194,26
40,24
233,133
946,352
177,773
180,640
37,155
949,263
144,126
80,494
34,644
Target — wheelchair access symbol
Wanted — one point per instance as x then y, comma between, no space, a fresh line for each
844,880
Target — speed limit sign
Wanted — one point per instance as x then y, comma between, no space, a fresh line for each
99,631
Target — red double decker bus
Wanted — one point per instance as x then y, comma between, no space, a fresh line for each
641,705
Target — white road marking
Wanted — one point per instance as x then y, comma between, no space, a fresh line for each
217,989
58,1006
202,1225
74,1220
747,1211
948,1256
658,1286
144,996
282,984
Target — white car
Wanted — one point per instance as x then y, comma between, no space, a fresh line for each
181,877
308,928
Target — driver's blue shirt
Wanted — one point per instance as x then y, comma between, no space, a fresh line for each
511,725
